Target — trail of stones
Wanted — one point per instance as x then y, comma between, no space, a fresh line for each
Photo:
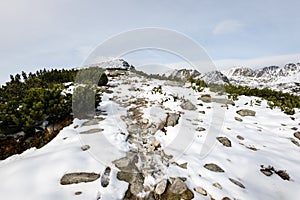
146,158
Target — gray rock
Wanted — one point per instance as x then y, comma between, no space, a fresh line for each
237,183
238,119
225,141
188,105
172,119
92,131
93,121
295,142
206,98
217,185
200,129
81,177
266,172
223,101
178,187
240,137
105,177
85,147
161,187
297,135
213,167
246,112
200,190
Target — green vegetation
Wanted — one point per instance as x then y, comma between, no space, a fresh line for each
285,101
32,102
40,105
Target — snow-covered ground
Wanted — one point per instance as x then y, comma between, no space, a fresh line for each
263,139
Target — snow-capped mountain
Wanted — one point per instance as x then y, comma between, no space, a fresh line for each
184,73
117,63
286,78
214,77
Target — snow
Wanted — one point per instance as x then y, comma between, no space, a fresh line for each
36,173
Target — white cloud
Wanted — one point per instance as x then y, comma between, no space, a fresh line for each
227,26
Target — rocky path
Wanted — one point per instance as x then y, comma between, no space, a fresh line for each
146,159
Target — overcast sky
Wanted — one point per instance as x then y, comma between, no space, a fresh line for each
61,33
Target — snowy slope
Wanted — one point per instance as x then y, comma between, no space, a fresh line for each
263,139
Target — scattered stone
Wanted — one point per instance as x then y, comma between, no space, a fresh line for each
202,112
76,126
283,175
188,105
295,142
294,128
161,187
92,131
246,112
172,119
240,137
217,185
169,195
226,198
183,165
105,177
200,129
251,147
206,98
213,167
268,171
81,177
223,101
85,147
200,190
94,121
237,183
225,141
178,187
78,193
238,119
297,135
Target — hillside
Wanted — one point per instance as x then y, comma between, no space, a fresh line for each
160,139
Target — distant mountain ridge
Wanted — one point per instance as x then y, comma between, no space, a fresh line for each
286,78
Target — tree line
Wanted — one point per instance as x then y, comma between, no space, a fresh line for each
31,102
